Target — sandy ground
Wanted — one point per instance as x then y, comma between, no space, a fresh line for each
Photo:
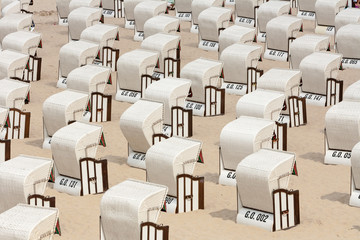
324,190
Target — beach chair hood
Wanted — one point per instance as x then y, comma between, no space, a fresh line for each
22,41
211,20
347,40
235,34
13,93
161,24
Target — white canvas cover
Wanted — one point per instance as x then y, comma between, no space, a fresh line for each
261,103
81,18
242,137
11,8
126,205
197,6
102,34
169,158
280,29
326,11
237,58
25,222
305,45
146,10
133,64
62,107
355,165
202,72
282,80
245,8
75,54
210,20
22,41
270,10
13,93
72,143
74,4
129,6
342,123
63,8
259,174
352,93
347,16
348,40
108,4
171,92
88,78
307,5
12,64
161,24
165,44
13,23
316,68
183,6
139,122
22,176
235,34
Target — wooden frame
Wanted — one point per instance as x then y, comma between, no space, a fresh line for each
253,74
171,63
110,57
41,201
90,180
100,107
33,72
181,122
21,128
291,210
297,111
279,139
151,231
193,188
334,91
157,138
6,144
214,101
146,80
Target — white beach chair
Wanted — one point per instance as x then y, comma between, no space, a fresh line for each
175,159
238,139
325,12
206,98
130,210
235,34
13,23
77,171
347,16
5,144
246,12
9,7
347,41
306,9
134,73
129,8
211,22
63,10
183,10
21,177
172,92
352,92
168,46
74,4
240,68
197,6
263,198
319,79
12,64
161,24
142,124
355,176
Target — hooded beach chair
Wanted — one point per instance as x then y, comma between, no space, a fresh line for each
9,7
142,125
171,162
306,9
206,98
347,16
355,176
240,68
325,12
63,10
238,139
27,222
77,172
246,12
347,41
263,197
134,73
172,92
319,78
235,34
13,64
21,177
5,144
211,22
13,23
161,24
113,8
168,46
129,12
130,209
197,6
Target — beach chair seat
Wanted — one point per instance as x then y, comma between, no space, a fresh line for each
197,6
347,40
13,23
161,24
235,34
347,16
12,64
325,12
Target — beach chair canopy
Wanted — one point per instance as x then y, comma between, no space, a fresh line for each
62,107
237,58
316,68
348,40
10,7
326,11
197,6
165,44
280,29
347,16
25,222
62,7
235,34
246,8
242,137
169,158
22,41
161,24
108,4
102,34
282,80
22,176
89,78
355,165
202,72
12,64
307,5
146,10
342,122
171,92
261,103
259,174
13,93
126,205
13,23
81,18
72,143
75,54
139,122
132,65
352,93
305,45
210,20
129,7
270,10
74,4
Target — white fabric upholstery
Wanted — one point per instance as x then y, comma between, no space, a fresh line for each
183,5
210,20
146,10
63,8
307,5
355,165
161,24
74,4
13,93
12,64
348,40
235,34
326,11
102,34
270,10
11,8
81,18
4,113
245,8
13,23
352,93
22,41
197,6
129,6
347,16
